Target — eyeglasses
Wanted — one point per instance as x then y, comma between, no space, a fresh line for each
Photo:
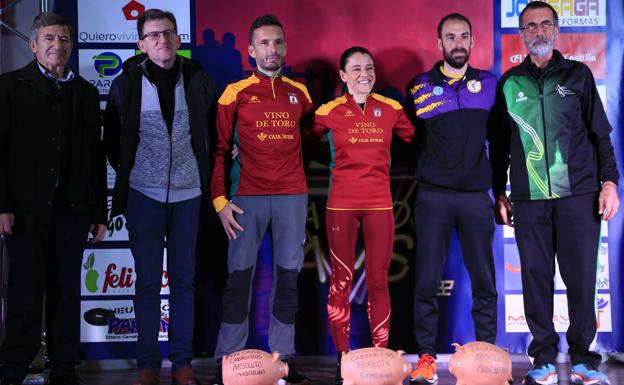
155,35
546,25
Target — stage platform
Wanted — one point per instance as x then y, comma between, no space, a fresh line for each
320,369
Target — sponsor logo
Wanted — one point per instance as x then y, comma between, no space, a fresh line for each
108,272
254,99
521,97
572,13
110,321
446,288
353,140
511,268
101,67
588,48
517,58
91,277
377,112
563,91
262,136
114,21
335,228
107,64
474,86
349,113
293,98
437,90
133,10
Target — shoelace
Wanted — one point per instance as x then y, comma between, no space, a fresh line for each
425,361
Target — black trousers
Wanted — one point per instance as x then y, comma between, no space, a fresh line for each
45,254
435,216
568,228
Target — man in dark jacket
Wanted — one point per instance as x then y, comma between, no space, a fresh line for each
563,182
156,135
52,193
452,105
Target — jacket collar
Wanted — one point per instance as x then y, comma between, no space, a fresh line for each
264,77
436,76
556,62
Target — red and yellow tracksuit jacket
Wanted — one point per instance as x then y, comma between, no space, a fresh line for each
360,148
262,116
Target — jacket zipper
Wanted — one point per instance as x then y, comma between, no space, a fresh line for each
541,91
273,87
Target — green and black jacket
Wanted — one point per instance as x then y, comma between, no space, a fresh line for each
554,131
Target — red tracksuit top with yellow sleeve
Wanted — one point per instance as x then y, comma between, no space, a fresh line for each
360,147
262,116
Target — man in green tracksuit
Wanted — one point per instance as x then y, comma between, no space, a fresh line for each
555,134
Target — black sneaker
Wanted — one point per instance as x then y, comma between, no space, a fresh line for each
218,378
11,381
65,379
338,380
295,375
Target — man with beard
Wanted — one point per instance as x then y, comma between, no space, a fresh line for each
564,178
262,116
452,104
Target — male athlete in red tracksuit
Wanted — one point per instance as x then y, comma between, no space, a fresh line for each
360,138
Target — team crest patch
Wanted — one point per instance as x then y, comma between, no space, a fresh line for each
377,112
437,90
293,98
474,86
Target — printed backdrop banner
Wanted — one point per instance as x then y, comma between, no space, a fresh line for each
403,39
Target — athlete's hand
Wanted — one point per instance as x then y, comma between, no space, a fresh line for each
227,220
6,222
503,211
608,201
97,231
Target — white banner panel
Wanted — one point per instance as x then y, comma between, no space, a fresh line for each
110,272
114,321
114,21
102,66
515,320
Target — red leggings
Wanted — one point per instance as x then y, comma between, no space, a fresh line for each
378,232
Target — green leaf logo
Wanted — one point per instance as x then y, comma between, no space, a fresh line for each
92,275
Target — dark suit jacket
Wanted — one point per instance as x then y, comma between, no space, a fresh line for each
30,123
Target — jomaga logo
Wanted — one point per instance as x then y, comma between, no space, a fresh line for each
572,13
107,64
133,10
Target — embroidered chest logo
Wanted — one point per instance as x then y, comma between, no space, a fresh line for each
293,98
563,91
437,90
474,86
521,97
377,112
349,113
352,140
254,99
262,136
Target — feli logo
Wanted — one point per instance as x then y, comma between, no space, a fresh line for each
133,10
92,275
107,64
262,136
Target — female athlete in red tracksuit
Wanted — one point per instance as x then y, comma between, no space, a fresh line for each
360,125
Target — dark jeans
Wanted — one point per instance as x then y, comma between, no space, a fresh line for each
45,254
149,222
570,229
